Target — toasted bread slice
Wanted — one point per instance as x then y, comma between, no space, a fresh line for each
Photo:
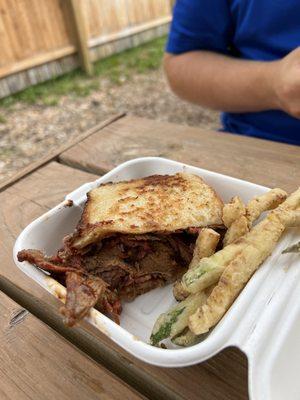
158,203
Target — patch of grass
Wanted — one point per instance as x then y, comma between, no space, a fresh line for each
137,60
116,69
2,119
51,101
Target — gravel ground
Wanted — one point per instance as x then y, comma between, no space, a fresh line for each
29,131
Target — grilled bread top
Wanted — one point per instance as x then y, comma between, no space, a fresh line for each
158,203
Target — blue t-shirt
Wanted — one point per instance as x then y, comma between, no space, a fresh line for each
262,30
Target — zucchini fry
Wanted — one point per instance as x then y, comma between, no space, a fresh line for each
291,218
246,216
233,211
205,246
187,338
265,202
234,218
257,245
176,319
209,270
237,229
179,292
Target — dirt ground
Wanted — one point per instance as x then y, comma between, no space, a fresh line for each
29,131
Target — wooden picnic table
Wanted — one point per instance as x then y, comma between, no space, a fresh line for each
42,359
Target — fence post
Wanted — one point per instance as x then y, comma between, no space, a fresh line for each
81,36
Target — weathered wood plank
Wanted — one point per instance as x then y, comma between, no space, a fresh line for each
133,30
37,363
5,183
31,27
134,36
81,35
25,201
263,162
37,60
224,376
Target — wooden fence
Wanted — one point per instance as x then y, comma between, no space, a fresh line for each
40,39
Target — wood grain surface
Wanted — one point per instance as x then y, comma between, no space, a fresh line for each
222,377
36,363
264,162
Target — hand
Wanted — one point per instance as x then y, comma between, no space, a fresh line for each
285,81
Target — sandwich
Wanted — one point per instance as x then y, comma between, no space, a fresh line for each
133,236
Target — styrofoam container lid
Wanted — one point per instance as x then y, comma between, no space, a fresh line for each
264,321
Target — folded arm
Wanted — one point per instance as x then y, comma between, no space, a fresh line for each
230,84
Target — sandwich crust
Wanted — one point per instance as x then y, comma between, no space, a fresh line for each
158,203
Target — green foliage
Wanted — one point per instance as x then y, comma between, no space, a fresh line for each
137,60
116,69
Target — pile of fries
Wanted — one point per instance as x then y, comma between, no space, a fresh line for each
214,279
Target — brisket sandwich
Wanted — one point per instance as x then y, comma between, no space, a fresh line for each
133,236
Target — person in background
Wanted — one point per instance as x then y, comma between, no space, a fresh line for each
241,57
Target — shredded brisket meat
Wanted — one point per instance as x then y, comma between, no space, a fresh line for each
119,267
83,293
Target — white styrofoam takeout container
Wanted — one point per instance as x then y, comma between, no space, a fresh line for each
264,321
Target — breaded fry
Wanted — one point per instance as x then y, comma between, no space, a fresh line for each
231,267
291,218
175,320
233,211
205,246
257,245
209,269
237,229
179,292
187,338
267,201
241,225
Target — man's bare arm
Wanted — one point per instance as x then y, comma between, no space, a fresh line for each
225,83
